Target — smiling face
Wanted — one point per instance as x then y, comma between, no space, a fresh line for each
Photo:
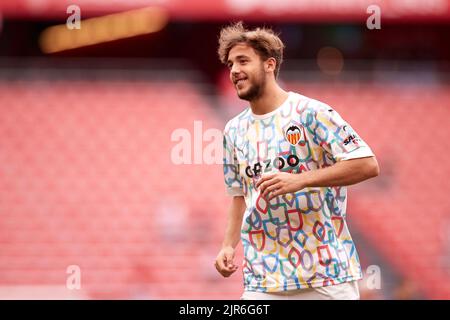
246,72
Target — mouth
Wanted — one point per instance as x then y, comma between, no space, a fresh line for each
240,81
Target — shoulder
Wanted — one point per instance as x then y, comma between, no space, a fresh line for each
311,106
234,123
312,111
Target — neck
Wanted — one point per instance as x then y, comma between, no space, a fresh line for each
273,97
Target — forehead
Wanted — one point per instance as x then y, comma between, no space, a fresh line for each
241,49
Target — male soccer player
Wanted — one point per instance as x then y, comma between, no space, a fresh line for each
287,161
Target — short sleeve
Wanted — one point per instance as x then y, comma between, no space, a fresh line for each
337,137
233,180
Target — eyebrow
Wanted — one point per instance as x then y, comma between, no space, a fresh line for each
239,57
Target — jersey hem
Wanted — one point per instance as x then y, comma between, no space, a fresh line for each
293,285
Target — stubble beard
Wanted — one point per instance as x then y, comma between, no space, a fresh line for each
256,88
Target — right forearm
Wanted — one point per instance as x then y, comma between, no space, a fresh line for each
233,229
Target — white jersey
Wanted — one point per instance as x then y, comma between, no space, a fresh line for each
298,240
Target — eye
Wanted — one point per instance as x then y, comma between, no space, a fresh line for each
229,65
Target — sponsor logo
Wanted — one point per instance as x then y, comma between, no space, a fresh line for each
351,138
253,171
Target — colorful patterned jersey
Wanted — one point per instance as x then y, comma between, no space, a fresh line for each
300,239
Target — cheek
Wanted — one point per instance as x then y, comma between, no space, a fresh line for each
251,72
255,76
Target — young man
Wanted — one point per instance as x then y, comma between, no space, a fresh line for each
287,160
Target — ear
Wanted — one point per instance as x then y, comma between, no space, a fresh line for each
270,65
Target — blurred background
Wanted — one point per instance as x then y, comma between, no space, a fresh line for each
93,204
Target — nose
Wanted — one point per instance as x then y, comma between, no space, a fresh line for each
235,69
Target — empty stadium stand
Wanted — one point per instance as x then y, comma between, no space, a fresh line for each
87,179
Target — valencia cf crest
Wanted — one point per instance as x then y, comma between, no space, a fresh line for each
293,134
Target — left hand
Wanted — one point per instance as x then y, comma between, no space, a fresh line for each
279,183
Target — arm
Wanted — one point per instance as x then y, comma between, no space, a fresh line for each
342,173
224,262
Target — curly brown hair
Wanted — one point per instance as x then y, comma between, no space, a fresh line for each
264,41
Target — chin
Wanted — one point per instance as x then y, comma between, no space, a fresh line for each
243,96
249,94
